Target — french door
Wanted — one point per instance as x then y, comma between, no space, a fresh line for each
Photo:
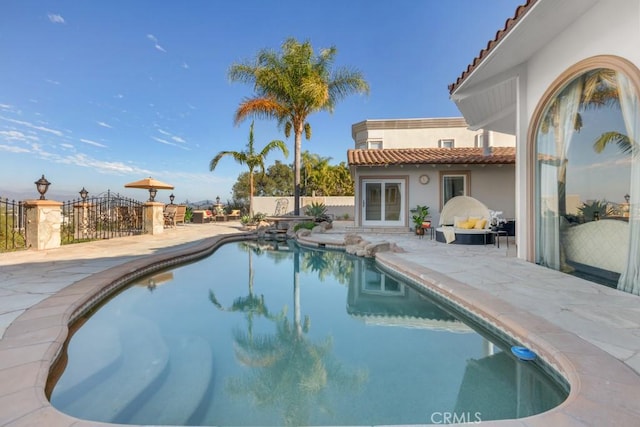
383,202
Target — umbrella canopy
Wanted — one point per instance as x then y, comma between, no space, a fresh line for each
148,183
151,184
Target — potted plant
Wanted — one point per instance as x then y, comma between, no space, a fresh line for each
421,213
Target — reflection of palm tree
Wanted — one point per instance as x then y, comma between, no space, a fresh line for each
251,304
288,371
597,88
623,142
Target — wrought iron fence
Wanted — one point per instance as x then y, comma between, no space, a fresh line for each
104,216
13,225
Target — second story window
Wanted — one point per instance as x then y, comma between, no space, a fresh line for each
446,143
478,141
374,144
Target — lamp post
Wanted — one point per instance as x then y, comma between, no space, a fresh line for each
83,194
218,201
152,194
171,197
42,185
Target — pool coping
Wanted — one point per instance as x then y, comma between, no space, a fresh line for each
601,386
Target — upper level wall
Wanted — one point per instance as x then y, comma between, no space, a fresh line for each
422,133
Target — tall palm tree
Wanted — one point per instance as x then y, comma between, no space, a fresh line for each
291,85
252,159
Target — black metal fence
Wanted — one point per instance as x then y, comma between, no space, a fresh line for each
13,225
104,216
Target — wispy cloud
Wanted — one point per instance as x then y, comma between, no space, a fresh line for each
101,166
178,139
119,96
155,42
164,141
90,142
14,135
56,19
32,126
105,125
13,149
185,65
53,82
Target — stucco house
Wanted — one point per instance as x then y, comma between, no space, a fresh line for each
564,77
399,164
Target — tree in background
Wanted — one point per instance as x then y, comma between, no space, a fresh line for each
323,179
252,159
292,84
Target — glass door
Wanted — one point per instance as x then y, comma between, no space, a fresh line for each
382,202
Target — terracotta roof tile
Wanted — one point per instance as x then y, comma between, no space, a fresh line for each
509,24
416,156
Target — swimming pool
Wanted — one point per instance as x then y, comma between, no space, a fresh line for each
292,337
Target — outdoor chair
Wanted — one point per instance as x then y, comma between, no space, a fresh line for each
202,216
235,214
181,210
170,215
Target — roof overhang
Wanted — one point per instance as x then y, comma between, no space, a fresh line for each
486,93
431,156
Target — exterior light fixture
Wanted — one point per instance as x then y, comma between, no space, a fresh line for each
627,197
218,200
152,194
42,185
83,194
171,197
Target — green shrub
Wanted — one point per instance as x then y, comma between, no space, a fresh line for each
307,225
318,211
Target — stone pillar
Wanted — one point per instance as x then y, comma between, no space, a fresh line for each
81,220
153,217
44,218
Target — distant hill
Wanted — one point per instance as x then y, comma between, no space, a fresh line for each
199,204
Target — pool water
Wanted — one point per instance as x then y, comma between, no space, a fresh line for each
267,333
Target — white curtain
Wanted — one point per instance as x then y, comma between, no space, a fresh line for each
630,278
557,141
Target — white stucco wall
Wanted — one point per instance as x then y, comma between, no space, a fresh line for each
401,134
493,185
610,27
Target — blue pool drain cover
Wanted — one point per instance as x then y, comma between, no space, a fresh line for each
523,353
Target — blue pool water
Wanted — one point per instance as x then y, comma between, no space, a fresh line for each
272,334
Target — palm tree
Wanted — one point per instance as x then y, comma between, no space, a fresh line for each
252,159
290,86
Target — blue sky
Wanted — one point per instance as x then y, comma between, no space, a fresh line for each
101,93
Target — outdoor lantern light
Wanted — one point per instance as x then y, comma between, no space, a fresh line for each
627,197
152,194
171,197
42,185
83,194
218,200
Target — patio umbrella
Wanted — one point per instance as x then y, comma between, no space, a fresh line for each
153,185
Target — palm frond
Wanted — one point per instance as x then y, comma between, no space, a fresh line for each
623,142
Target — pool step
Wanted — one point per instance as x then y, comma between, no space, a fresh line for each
143,360
185,386
88,365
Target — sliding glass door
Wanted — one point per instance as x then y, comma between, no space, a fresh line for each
383,202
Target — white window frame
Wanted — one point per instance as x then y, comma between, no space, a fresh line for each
374,144
478,140
466,182
447,143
